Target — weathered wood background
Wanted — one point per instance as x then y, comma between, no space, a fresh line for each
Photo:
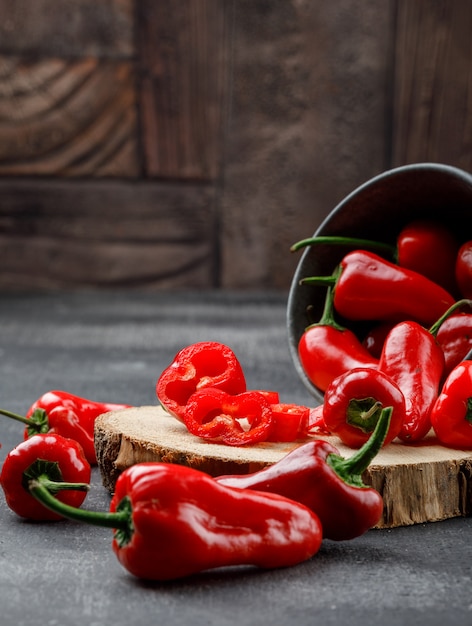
188,143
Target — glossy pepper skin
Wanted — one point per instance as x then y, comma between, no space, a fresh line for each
414,360
326,349
197,366
354,401
216,415
315,475
455,338
68,415
368,287
172,521
429,248
451,416
425,246
55,461
463,269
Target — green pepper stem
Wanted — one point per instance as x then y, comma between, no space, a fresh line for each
346,241
452,309
350,470
330,281
37,423
327,317
55,486
118,520
15,416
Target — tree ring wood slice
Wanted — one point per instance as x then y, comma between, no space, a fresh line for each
419,483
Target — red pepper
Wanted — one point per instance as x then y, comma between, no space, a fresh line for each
235,420
172,521
374,339
451,416
423,245
367,287
315,475
56,463
353,403
429,248
463,269
68,415
413,358
455,338
327,349
200,365
290,422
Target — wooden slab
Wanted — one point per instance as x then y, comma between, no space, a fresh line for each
419,483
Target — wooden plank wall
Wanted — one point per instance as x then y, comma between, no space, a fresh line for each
188,143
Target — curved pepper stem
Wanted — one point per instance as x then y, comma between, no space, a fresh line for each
327,317
36,424
120,520
49,476
452,309
350,470
346,241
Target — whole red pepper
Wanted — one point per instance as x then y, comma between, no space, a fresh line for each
219,416
429,248
354,401
367,287
172,521
423,245
463,269
451,415
68,415
326,349
315,475
56,463
455,338
197,366
413,358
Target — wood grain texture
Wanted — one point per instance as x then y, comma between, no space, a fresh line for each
421,483
67,28
71,118
307,126
105,235
432,101
184,52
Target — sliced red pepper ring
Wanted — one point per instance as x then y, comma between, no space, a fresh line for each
234,420
290,422
198,366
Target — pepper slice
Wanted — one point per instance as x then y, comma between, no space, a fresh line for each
53,461
236,420
367,287
316,475
197,366
451,415
353,403
170,521
290,422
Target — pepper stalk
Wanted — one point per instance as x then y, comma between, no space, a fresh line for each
350,470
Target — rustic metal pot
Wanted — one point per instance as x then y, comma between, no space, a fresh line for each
376,210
